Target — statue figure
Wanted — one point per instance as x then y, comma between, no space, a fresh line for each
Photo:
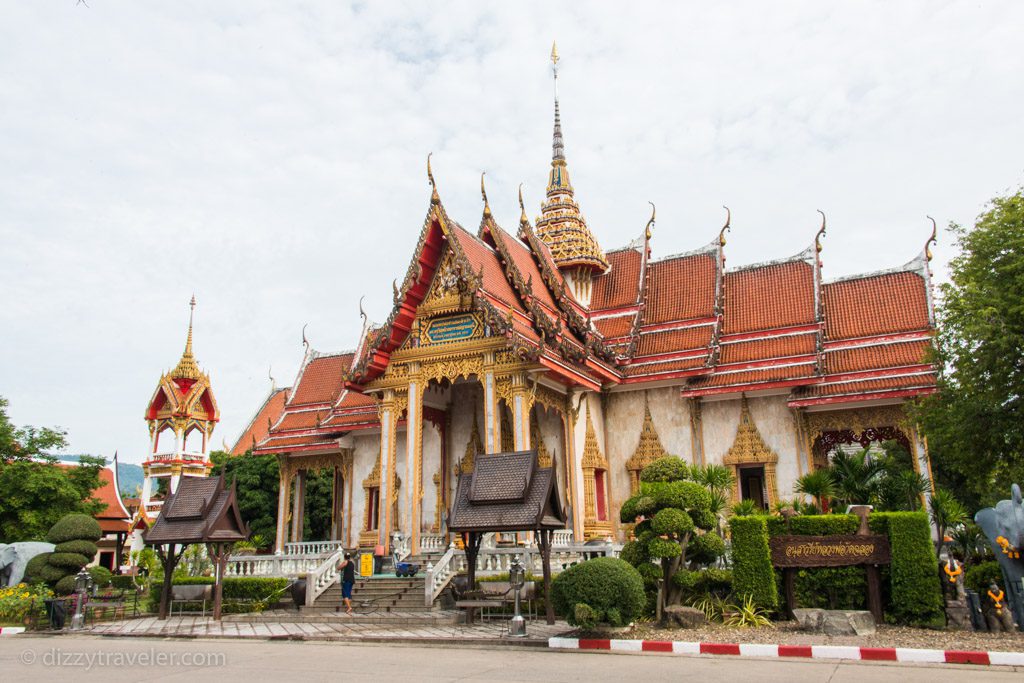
14,557
998,617
1004,527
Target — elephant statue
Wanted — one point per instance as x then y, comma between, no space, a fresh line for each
1004,527
14,557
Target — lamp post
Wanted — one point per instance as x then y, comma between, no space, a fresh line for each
83,583
516,579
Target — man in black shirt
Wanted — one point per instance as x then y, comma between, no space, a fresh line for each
348,579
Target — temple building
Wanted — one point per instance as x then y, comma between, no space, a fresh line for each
536,337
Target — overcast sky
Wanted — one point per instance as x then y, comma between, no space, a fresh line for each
270,157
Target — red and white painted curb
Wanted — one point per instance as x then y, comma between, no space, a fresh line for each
873,654
11,630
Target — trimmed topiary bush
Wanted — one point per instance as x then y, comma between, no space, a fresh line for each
66,586
74,527
72,561
34,567
51,575
610,590
752,573
979,577
915,595
82,547
100,576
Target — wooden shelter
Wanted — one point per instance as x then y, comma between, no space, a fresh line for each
201,510
508,492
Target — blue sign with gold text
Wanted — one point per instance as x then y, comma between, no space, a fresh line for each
451,329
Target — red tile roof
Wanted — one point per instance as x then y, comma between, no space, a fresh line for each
257,430
675,340
638,369
913,381
321,380
527,267
878,356
618,326
879,304
285,443
744,377
618,286
768,297
681,288
763,349
303,419
479,254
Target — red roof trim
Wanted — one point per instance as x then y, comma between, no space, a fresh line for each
862,396
769,333
756,386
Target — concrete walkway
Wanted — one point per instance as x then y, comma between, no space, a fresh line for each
490,632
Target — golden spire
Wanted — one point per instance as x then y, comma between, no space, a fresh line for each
187,367
561,225
434,197
523,220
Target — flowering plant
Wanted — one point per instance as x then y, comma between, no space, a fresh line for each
16,602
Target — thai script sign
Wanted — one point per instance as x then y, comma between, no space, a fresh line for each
454,328
829,551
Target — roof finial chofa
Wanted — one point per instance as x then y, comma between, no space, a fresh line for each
434,197
483,193
932,239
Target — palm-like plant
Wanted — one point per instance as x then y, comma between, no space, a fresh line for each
946,512
856,477
819,485
968,542
744,508
716,477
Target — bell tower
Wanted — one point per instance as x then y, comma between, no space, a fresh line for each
181,416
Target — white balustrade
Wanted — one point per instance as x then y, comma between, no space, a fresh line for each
272,565
312,547
431,543
320,578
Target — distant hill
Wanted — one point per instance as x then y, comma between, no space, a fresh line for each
129,475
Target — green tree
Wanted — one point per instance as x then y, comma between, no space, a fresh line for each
975,423
674,526
257,482
946,512
35,492
819,485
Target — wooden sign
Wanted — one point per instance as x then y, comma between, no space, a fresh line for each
829,551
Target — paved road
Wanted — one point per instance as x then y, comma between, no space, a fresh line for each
79,658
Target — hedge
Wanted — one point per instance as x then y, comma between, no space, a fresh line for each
979,577
74,527
915,595
122,582
241,589
34,568
72,561
601,590
827,587
752,573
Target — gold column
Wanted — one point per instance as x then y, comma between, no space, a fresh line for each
414,453
388,410
521,406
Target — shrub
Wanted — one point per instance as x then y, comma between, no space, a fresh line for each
832,587
51,575
610,588
915,595
666,469
122,582
72,561
823,525
65,586
81,547
100,576
34,567
19,602
752,563
254,591
979,577
74,527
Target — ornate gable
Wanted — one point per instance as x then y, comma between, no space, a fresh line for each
749,448
647,450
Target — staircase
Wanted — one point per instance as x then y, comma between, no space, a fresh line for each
377,595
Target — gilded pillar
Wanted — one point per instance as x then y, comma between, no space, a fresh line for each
388,449
414,454
492,424
283,493
521,406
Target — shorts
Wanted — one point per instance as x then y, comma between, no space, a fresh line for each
346,589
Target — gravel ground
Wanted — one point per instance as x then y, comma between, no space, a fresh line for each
787,633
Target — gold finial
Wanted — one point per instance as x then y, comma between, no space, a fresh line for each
554,52
821,233
187,367
931,240
522,209
725,228
650,223
483,193
434,197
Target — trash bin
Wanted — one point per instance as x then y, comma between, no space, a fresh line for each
56,612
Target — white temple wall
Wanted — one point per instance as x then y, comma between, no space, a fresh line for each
364,456
431,463
404,484
552,432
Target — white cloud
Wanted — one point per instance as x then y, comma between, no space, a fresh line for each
271,159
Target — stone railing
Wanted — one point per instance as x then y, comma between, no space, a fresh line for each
498,561
272,565
320,578
562,537
432,543
312,547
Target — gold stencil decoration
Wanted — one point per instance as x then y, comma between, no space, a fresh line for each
447,293
647,450
749,448
474,447
543,456
368,537
595,473
508,440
